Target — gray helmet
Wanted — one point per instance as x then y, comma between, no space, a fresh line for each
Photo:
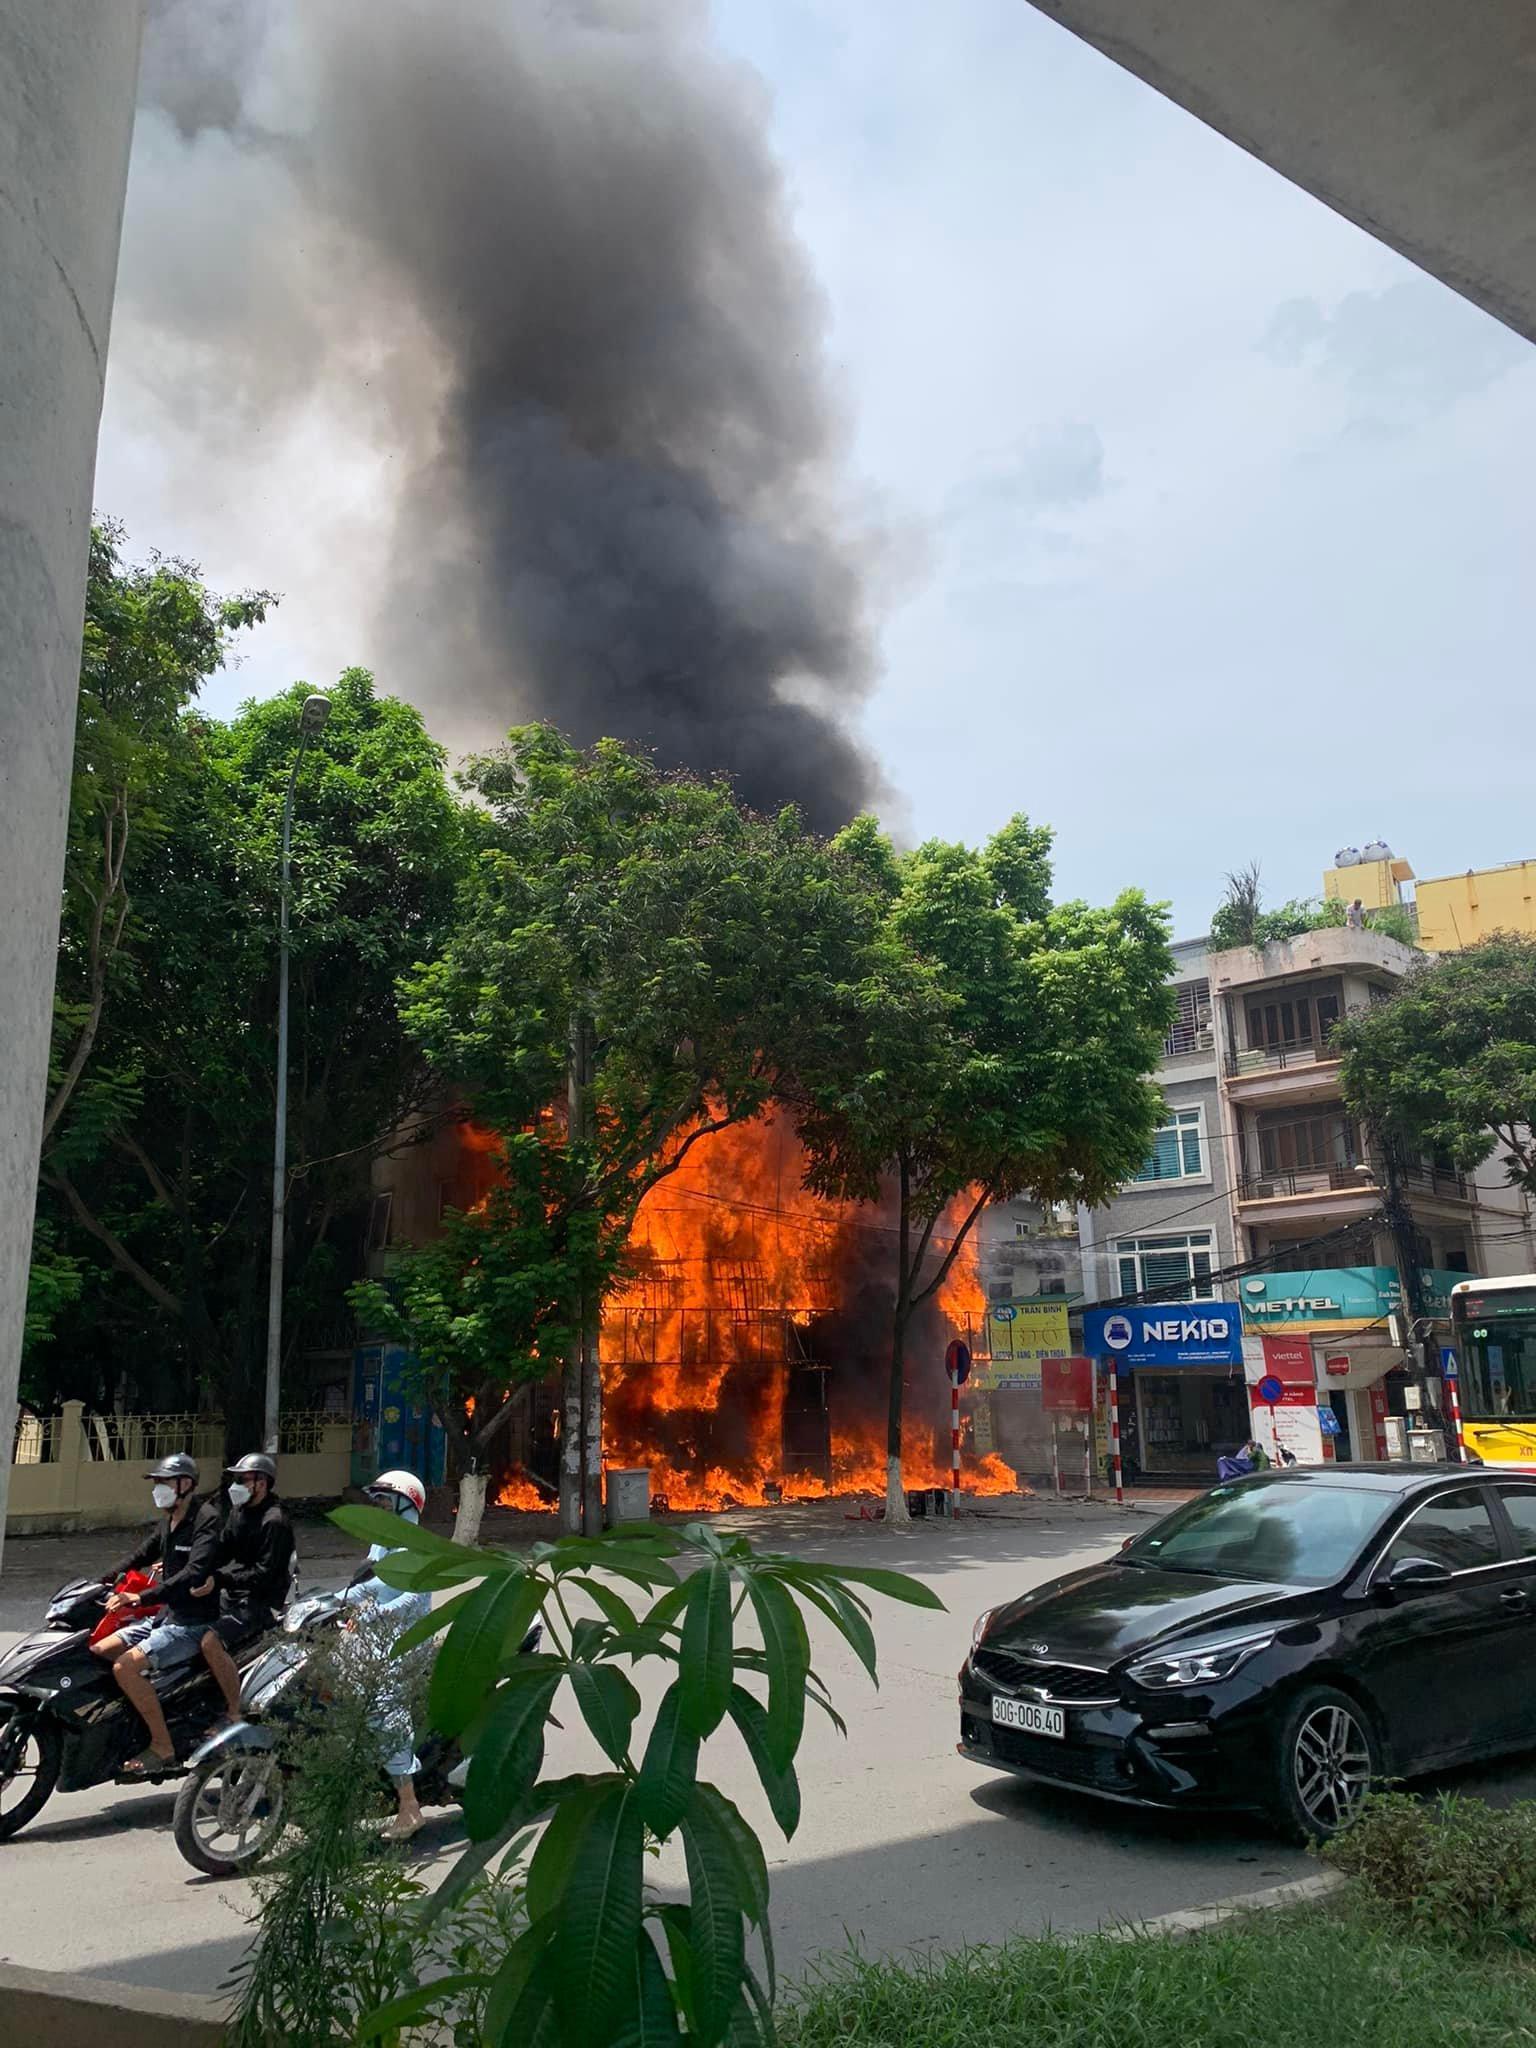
257,1463
179,1465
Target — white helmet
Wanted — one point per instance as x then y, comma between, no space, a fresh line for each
392,1489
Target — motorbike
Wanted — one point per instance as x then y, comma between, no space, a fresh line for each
232,1806
64,1724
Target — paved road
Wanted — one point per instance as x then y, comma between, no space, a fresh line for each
902,1842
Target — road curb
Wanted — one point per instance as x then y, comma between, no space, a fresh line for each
1179,1926
62,2009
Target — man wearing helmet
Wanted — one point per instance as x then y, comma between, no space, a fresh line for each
254,1574
186,1548
390,1609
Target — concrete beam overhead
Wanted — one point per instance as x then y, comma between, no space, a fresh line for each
1416,119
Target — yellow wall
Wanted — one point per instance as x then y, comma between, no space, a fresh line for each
1373,881
1458,910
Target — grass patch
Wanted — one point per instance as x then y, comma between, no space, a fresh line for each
1334,1973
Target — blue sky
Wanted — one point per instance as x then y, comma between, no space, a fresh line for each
1204,520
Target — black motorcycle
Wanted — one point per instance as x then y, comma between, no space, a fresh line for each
232,1806
64,1724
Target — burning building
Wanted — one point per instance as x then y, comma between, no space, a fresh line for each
746,1358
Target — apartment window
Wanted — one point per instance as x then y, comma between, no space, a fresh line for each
379,1218
1191,1029
1178,1150
1307,1142
1182,1261
1291,1020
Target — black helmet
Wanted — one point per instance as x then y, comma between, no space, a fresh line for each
256,1462
179,1465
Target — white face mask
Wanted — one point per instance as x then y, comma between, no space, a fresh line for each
238,1494
164,1495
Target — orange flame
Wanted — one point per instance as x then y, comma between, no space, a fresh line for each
518,1491
735,1366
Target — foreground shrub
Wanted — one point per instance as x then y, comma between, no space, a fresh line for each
1457,1866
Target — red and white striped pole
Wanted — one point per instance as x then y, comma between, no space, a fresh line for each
1114,1432
1453,1408
954,1444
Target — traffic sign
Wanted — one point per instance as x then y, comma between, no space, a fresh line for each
957,1362
1270,1390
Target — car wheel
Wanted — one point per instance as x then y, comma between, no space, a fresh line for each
31,1750
229,1812
1327,1758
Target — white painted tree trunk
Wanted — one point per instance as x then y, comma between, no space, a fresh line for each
466,1528
895,1493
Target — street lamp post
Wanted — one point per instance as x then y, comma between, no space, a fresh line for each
316,711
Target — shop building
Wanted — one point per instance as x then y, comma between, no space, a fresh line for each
1263,1190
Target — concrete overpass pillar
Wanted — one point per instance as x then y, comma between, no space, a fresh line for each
68,70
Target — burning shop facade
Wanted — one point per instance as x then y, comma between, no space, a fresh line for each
746,1359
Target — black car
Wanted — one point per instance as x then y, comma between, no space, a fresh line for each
1282,1642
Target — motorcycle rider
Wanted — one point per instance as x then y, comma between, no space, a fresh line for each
390,1608
186,1548
254,1573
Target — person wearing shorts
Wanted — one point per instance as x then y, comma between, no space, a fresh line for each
186,1548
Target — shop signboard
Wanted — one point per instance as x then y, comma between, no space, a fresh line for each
1377,1396
1066,1385
1282,1392
1031,1331
1344,1297
1166,1333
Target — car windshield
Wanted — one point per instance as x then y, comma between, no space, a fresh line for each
1265,1529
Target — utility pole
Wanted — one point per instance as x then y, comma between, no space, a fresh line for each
581,1383
313,716
1422,1363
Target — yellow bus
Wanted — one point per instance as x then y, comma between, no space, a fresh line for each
1493,1326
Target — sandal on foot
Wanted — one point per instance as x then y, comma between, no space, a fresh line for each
149,1764
402,1830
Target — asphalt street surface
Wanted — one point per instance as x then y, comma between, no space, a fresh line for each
902,1842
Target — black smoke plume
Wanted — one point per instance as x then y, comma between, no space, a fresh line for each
537,253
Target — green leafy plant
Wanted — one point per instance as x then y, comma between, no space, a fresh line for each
1455,1866
601,1962
339,1936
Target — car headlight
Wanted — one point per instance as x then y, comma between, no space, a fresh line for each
983,1621
1201,1664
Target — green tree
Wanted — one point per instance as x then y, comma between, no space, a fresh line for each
999,1046
153,635
1447,1064
641,946
494,1301
160,1166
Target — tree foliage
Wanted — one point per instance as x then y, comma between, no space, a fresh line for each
156,1173
700,951
1240,918
493,1301
1447,1064
999,1044
602,1960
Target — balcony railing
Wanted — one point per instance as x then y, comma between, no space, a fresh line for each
1270,1059
1305,1180
1435,1180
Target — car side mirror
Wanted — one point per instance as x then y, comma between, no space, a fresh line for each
1413,1571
